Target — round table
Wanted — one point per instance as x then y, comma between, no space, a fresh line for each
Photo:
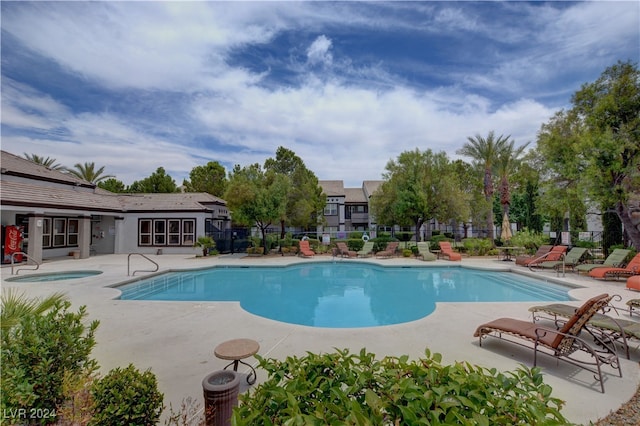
236,350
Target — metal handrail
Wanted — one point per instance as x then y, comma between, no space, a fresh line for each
26,256
139,270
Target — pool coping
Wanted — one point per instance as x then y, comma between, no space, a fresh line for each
176,339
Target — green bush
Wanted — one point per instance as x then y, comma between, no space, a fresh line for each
435,240
343,388
530,240
477,246
126,397
355,244
38,352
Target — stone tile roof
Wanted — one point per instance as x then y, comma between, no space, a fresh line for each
370,186
332,188
354,195
17,166
186,201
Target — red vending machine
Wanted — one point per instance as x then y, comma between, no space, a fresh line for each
12,243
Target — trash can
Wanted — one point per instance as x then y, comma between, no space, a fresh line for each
221,390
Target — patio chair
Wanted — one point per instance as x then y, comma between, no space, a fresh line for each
424,252
447,251
389,251
561,344
633,283
570,261
367,249
555,254
633,304
632,268
344,250
616,329
542,250
614,260
305,249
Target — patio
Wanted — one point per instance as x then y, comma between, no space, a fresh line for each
176,340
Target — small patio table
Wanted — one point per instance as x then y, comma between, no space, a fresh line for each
236,350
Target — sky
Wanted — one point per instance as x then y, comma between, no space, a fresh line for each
346,86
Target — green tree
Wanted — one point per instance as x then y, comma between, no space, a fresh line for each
593,150
211,178
88,172
485,153
44,161
16,305
158,182
257,198
113,185
305,199
419,186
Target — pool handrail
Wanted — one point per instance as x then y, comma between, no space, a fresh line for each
13,255
139,270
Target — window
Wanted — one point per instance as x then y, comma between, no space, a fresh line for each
188,232
173,226
72,232
144,232
46,233
166,232
331,209
159,232
59,232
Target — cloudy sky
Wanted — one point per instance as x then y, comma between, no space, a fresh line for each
347,86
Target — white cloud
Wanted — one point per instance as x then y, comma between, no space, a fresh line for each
320,51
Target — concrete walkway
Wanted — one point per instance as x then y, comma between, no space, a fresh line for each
176,339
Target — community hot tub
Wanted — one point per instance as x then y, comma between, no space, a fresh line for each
54,276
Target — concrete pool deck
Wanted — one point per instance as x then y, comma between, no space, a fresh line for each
176,339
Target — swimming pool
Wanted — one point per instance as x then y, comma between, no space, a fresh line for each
53,276
342,294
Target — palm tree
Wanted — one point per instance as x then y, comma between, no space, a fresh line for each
485,152
89,173
507,162
16,305
47,162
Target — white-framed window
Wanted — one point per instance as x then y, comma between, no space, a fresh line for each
159,232
144,232
188,232
46,233
59,232
72,232
331,209
166,232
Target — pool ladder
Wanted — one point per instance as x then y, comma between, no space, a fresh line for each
129,273
13,257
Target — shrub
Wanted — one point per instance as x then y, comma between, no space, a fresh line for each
477,246
435,239
343,388
39,352
355,244
530,240
126,397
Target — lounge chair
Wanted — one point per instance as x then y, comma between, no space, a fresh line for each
633,283
570,261
633,304
542,250
615,328
632,268
389,251
424,252
562,343
448,252
614,260
555,254
344,250
305,249
367,249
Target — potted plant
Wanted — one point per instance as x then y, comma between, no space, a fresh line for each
206,243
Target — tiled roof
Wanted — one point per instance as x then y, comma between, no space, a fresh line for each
28,194
370,186
332,188
185,201
18,166
354,195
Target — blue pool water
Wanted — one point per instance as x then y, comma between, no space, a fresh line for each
342,294
54,276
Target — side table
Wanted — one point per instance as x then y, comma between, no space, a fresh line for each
236,350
